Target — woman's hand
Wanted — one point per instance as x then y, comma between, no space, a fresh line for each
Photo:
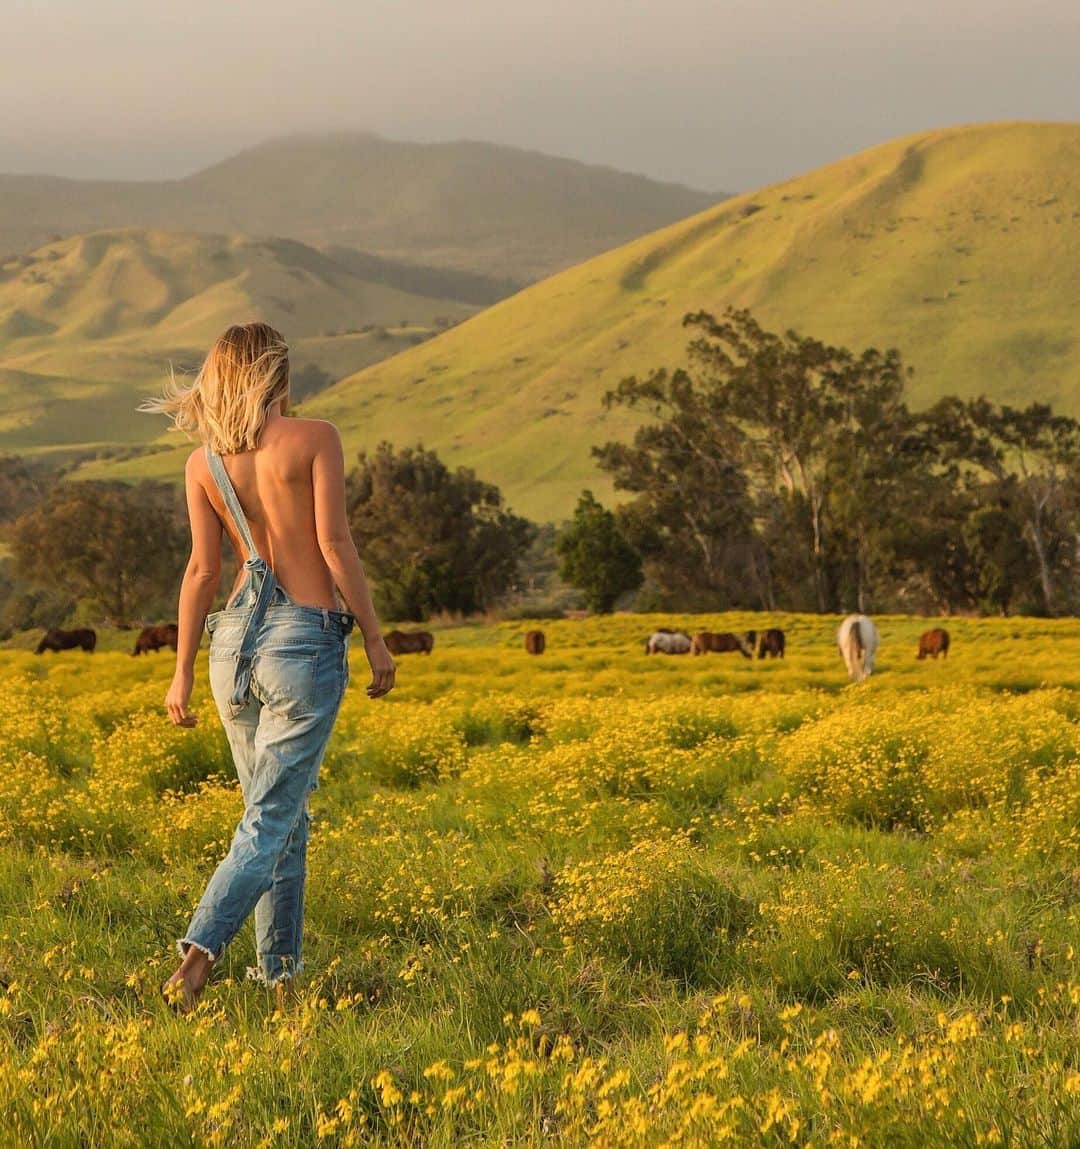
382,666
176,701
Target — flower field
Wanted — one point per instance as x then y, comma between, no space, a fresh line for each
587,898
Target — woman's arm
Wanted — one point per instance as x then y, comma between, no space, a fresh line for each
339,551
197,591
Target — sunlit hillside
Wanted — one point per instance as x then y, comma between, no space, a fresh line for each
88,325
960,247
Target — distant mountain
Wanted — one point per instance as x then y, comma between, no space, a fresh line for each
438,282
89,324
502,213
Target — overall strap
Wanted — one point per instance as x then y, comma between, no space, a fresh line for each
228,493
255,565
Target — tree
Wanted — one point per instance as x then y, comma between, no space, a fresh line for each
1046,449
1027,461
21,487
880,475
24,607
693,518
1002,557
779,468
766,444
595,556
931,563
120,547
433,539
802,404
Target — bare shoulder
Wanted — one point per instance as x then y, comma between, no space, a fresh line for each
197,473
195,467
313,428
317,434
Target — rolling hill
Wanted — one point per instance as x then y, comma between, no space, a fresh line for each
961,247
88,324
509,215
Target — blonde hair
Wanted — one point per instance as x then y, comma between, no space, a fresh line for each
244,374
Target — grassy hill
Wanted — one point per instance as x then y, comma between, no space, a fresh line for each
506,213
88,324
957,246
960,247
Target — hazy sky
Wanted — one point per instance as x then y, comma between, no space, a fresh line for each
722,94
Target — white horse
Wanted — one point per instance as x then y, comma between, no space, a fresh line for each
668,642
858,643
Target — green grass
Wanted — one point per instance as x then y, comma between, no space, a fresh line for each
592,897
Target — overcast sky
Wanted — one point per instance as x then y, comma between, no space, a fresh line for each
721,94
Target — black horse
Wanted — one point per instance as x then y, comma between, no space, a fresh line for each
56,639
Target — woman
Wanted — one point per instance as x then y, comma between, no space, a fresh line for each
279,649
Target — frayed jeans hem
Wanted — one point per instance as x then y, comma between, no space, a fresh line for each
256,973
182,943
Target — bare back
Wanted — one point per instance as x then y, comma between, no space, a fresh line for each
275,488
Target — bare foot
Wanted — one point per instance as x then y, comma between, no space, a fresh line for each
182,990
285,992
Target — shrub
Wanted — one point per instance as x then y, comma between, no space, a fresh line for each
656,905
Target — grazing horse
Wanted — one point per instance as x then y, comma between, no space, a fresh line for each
858,643
155,637
725,643
56,639
934,642
535,642
668,642
410,642
772,643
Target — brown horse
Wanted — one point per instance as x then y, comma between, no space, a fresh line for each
934,642
535,642
155,637
725,643
410,642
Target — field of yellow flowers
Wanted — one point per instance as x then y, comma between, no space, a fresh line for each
587,898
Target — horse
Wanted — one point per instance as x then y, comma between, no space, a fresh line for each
56,639
535,642
725,643
772,643
410,642
858,643
668,642
155,637
934,642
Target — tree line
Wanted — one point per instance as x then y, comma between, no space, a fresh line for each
772,471
433,539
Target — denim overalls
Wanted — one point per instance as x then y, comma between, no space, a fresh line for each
278,673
